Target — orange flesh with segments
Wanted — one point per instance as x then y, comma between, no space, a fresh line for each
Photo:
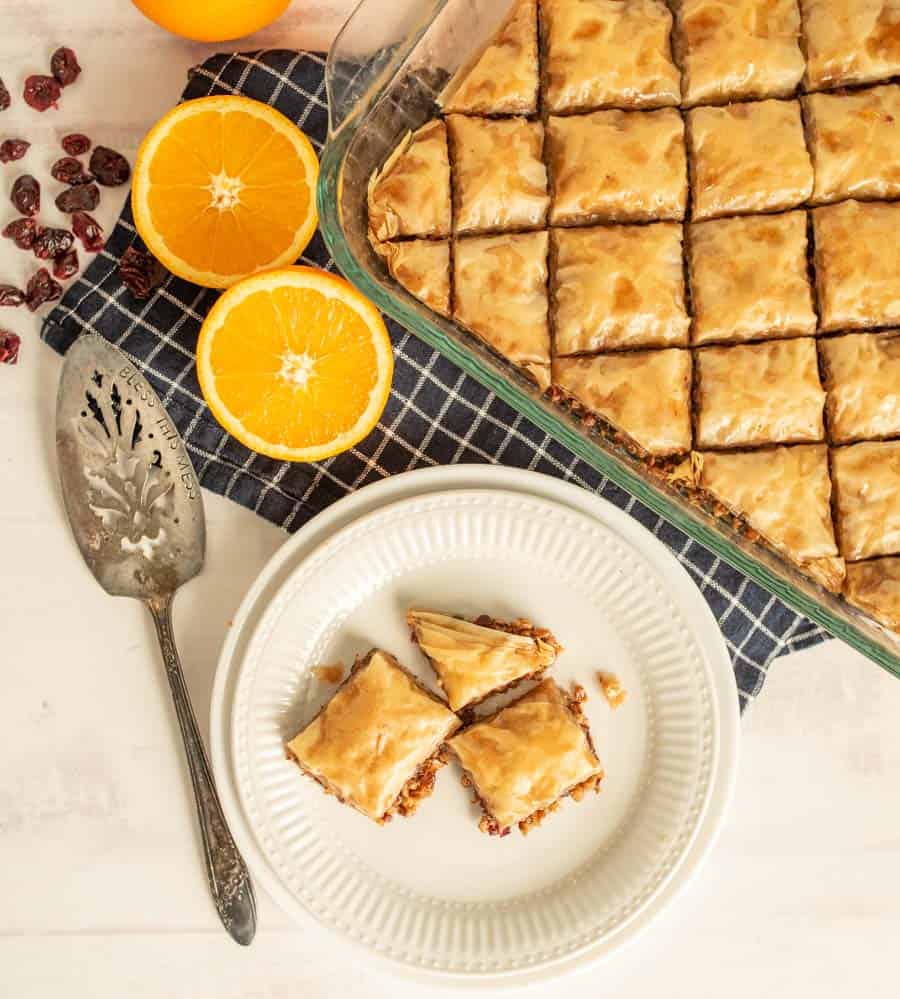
225,192
292,369
305,382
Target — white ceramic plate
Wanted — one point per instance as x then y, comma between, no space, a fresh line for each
432,894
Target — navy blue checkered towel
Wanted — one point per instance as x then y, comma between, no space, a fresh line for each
435,415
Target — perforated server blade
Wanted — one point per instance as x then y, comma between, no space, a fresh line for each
134,505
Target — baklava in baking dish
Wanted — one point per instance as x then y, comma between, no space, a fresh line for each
678,219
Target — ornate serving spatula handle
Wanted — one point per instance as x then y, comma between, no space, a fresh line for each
229,879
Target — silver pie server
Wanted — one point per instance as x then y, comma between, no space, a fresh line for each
134,505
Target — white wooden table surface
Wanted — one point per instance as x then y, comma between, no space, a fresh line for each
102,890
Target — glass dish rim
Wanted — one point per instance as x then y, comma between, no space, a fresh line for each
342,128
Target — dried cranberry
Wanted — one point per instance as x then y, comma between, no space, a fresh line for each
5,100
26,195
65,265
41,288
76,144
140,272
13,149
83,198
68,170
64,66
41,92
50,243
9,347
109,167
10,295
89,231
22,232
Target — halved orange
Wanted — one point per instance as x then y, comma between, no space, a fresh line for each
295,363
225,187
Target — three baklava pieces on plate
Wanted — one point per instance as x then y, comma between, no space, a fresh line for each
380,740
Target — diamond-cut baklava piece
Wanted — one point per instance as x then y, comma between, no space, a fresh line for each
759,393
618,286
375,745
601,54
875,588
867,498
618,166
857,257
422,266
504,77
499,178
644,395
748,158
783,493
500,293
855,143
524,759
738,49
862,378
850,41
410,194
473,659
749,278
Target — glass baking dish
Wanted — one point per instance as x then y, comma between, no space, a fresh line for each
383,74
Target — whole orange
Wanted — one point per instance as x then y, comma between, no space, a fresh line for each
212,20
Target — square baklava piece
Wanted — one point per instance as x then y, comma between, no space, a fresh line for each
783,494
618,286
617,166
503,79
500,294
422,266
874,587
643,396
867,498
528,756
376,744
748,158
499,177
608,55
862,378
474,659
759,393
857,257
410,194
738,49
749,278
850,41
855,143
